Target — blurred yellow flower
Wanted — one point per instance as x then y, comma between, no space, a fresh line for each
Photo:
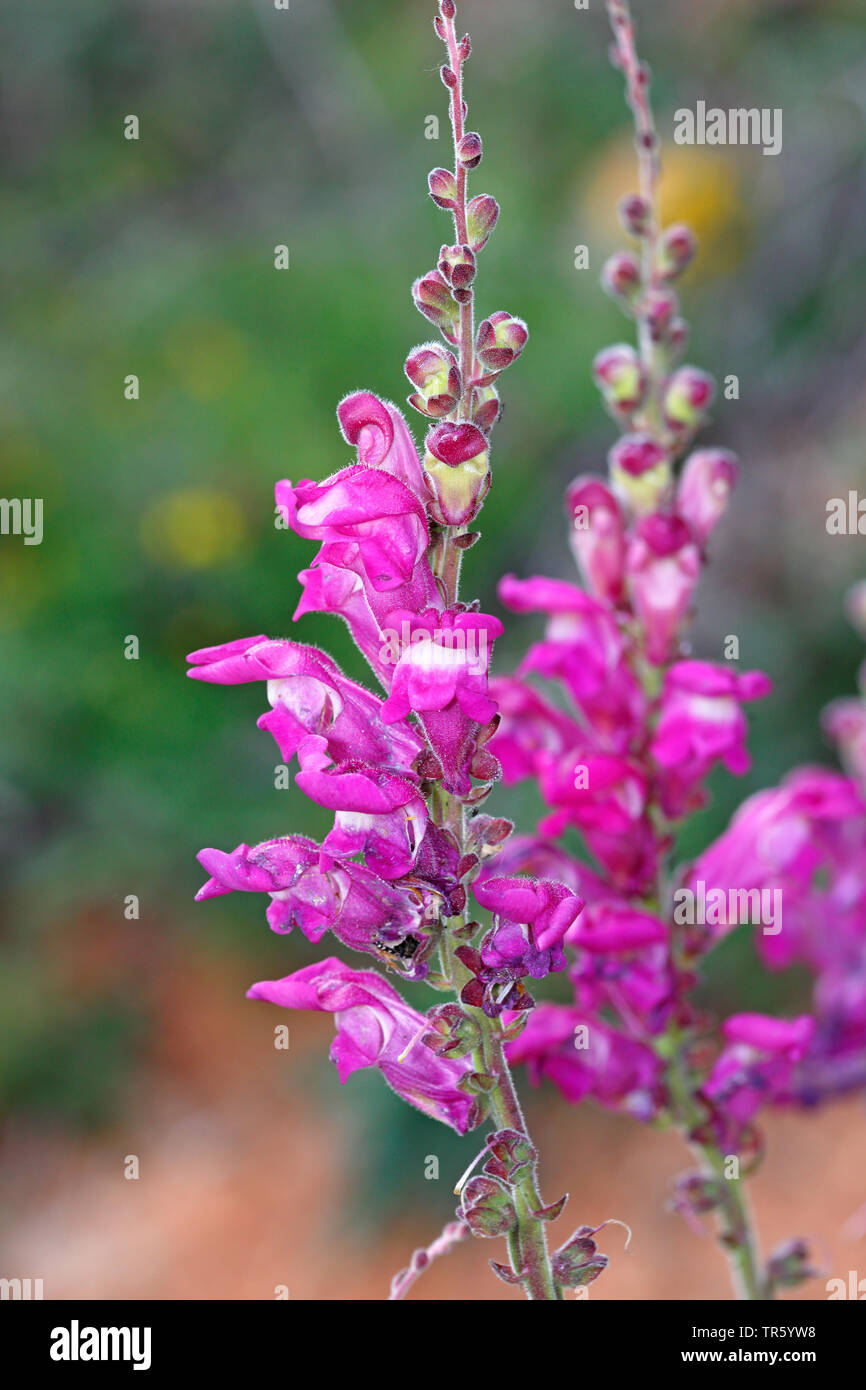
193,528
698,186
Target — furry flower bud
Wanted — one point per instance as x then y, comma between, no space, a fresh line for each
619,376
620,276
486,408
443,188
433,299
634,214
469,149
457,266
481,215
457,465
659,310
676,249
688,396
640,471
500,340
434,371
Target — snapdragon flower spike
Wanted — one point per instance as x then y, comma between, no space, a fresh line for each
530,920
441,674
375,1028
315,708
395,922
457,468
597,537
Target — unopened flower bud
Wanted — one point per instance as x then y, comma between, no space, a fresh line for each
433,299
620,276
486,408
500,340
676,249
659,310
704,489
465,47
620,377
640,472
790,1263
434,371
481,215
448,76
634,214
447,9
688,395
457,465
457,266
443,188
469,149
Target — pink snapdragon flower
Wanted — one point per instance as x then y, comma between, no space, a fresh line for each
391,920
754,1070
663,567
701,723
375,1028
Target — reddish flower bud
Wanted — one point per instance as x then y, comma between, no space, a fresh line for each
469,149
635,454
443,188
481,215
597,536
687,397
640,471
620,276
500,340
457,465
659,310
620,377
465,47
448,76
634,214
486,408
433,369
447,9
457,266
433,299
676,249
